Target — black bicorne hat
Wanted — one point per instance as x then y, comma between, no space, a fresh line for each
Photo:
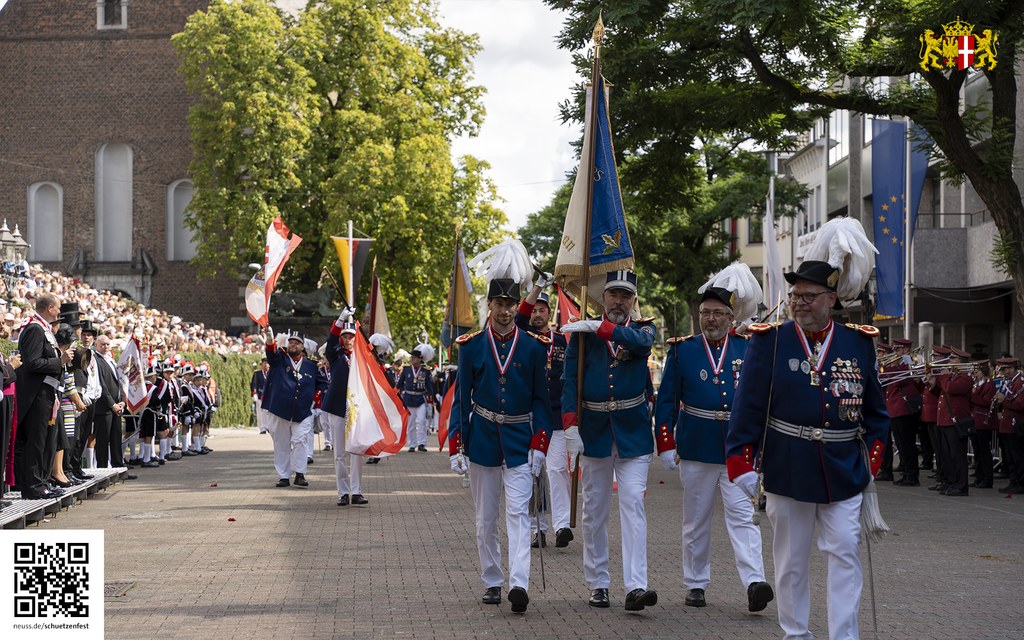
724,296
503,288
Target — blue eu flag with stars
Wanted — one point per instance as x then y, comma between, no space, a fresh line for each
888,196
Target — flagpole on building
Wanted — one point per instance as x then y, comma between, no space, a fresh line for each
595,72
906,233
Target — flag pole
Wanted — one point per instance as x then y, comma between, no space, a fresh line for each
906,234
595,71
351,270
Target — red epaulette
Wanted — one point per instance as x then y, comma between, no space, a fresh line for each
866,329
544,340
466,337
678,339
761,327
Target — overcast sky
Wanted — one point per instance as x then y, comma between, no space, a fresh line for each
526,76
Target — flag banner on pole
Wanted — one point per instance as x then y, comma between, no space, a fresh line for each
774,287
888,171
378,314
610,247
360,253
377,419
130,364
568,310
277,250
458,314
444,414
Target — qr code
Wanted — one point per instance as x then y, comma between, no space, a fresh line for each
51,580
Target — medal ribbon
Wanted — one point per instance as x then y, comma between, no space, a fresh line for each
715,368
502,368
824,345
614,351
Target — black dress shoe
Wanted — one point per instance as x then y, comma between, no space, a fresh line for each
759,594
539,540
58,483
518,598
412,449
637,599
599,598
151,464
423,447
907,482
343,501
283,482
300,480
695,598
884,476
563,537
159,461
954,493
492,596
983,485
357,499
309,460
372,460
941,486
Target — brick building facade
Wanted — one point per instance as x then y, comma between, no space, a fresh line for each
94,148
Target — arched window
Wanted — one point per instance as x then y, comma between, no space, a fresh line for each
181,243
45,230
114,203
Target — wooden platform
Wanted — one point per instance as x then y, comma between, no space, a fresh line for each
21,513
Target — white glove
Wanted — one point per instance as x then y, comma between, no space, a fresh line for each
459,465
668,459
346,315
747,482
544,280
581,326
573,445
536,462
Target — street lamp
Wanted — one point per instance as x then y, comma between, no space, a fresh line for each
13,250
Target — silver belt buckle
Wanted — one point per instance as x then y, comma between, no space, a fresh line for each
613,405
499,418
720,415
817,435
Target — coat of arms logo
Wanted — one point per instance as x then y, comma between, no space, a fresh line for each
958,47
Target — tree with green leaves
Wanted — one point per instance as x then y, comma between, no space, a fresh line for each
346,112
765,68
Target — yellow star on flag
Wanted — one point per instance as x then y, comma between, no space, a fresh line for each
893,198
881,218
894,240
885,230
885,207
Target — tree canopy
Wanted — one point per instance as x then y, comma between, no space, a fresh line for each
766,67
344,113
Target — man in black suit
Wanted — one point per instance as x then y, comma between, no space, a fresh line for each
109,406
38,381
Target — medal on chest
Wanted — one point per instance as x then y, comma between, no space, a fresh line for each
502,362
815,355
716,367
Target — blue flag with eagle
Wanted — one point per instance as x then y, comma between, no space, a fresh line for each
888,191
610,248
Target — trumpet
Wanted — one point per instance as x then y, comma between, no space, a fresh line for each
949,367
895,358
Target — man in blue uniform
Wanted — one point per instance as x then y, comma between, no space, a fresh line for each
500,420
615,424
417,390
534,315
810,408
697,386
288,400
348,468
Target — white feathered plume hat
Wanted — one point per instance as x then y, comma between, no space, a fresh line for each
424,351
840,258
382,344
737,288
506,266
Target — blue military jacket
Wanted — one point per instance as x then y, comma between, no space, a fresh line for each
415,385
336,398
289,391
777,377
555,360
704,377
521,389
622,376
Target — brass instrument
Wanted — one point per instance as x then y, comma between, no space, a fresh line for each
919,371
895,358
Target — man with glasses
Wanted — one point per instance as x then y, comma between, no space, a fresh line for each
810,411
692,414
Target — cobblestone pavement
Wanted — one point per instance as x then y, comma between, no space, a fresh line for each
294,565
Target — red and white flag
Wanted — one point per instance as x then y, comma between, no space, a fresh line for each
130,364
278,249
444,415
377,419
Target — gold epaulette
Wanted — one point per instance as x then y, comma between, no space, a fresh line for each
679,339
866,329
544,340
646,319
466,337
762,327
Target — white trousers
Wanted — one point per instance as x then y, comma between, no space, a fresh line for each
418,425
838,539
597,475
348,467
486,484
699,483
289,443
559,484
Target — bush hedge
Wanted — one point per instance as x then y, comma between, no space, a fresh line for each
232,374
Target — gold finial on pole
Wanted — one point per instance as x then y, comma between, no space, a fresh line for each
598,31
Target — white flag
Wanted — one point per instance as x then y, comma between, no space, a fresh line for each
276,252
130,363
774,289
377,419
